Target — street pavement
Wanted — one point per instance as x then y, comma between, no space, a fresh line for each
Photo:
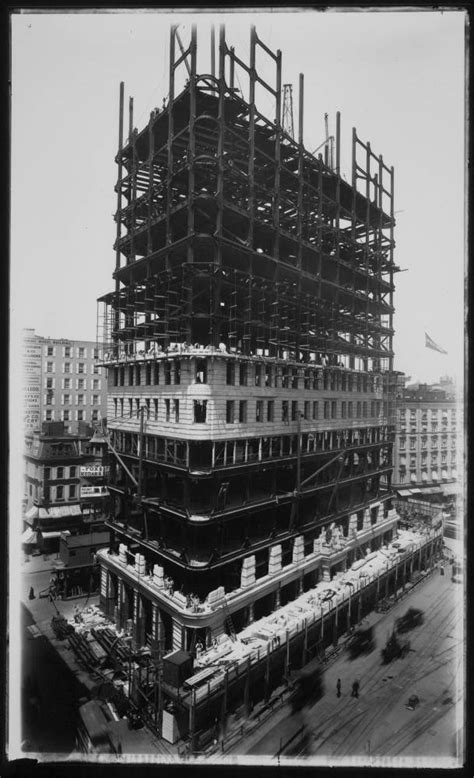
377,727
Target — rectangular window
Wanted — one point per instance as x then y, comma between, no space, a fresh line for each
137,405
67,367
230,373
95,415
80,383
47,473
96,369
96,383
268,375
243,373
49,383
80,352
60,472
294,410
115,406
343,409
95,399
258,375
67,352
315,409
96,353
243,411
155,403
176,410
285,378
80,399
201,371
306,409
49,367
147,406
350,409
66,399
307,379
80,415
259,411
138,375
365,409
121,407
333,409
229,412
200,411
49,351
270,410
130,407
326,409
285,410
60,493
72,491
67,383
48,416
80,367
167,409
412,443
167,369
294,378
359,409
66,415
177,371
402,443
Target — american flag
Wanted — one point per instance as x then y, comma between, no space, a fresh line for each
429,343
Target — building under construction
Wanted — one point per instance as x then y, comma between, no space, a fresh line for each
247,341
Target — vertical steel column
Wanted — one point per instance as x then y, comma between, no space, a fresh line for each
392,225
151,152
191,182
299,215
119,210
169,173
276,180
213,51
133,183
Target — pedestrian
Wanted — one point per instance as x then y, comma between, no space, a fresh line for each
355,689
338,687
31,595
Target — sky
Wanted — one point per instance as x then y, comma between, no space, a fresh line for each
398,77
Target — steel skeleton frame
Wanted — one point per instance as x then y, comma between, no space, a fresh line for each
211,187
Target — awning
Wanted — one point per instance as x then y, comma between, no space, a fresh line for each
451,489
430,490
32,513
49,535
57,512
28,536
403,492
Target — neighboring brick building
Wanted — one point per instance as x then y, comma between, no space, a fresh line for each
428,441
62,382
53,484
